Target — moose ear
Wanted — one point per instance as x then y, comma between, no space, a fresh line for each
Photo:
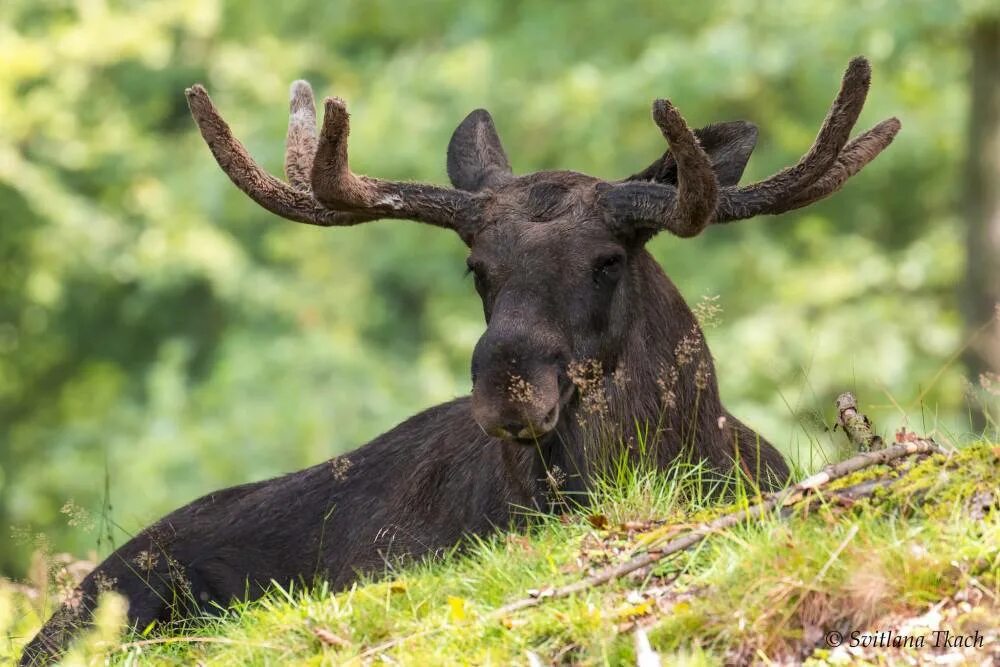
476,159
728,146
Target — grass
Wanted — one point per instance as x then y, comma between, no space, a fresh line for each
767,591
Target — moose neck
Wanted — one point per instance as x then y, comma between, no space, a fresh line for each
674,382
660,397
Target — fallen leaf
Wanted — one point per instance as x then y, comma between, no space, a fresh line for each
598,521
633,611
329,639
510,622
456,609
635,526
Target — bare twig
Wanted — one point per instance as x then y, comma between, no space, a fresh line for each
780,499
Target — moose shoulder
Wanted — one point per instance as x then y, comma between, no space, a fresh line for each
586,341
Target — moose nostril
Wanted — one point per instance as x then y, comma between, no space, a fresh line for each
550,417
513,428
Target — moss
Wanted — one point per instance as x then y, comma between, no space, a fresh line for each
773,585
943,484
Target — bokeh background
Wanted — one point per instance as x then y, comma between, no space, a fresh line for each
161,336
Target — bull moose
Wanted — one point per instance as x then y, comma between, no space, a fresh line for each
583,330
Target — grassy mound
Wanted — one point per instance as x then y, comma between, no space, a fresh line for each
919,555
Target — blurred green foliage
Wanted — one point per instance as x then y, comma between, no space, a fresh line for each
159,329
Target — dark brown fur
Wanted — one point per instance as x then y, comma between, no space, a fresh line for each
588,347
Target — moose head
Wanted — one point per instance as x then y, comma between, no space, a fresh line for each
558,256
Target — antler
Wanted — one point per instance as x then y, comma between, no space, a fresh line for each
685,210
321,189
828,164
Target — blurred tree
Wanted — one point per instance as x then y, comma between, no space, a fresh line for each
982,203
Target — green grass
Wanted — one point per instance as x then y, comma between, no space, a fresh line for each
768,590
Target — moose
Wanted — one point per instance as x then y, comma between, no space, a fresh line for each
585,335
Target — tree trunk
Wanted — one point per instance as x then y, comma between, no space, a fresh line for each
982,202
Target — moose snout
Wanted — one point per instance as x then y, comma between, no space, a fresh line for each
522,411
516,371
517,401
527,427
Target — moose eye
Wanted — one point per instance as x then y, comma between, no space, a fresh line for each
608,270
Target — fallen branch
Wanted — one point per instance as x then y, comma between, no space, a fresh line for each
780,499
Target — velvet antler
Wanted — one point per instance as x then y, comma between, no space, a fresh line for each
645,208
822,171
321,188
827,165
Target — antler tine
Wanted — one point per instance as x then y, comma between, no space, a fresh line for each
300,144
685,210
335,186
858,153
767,196
697,187
272,194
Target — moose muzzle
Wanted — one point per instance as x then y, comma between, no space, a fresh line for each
516,392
